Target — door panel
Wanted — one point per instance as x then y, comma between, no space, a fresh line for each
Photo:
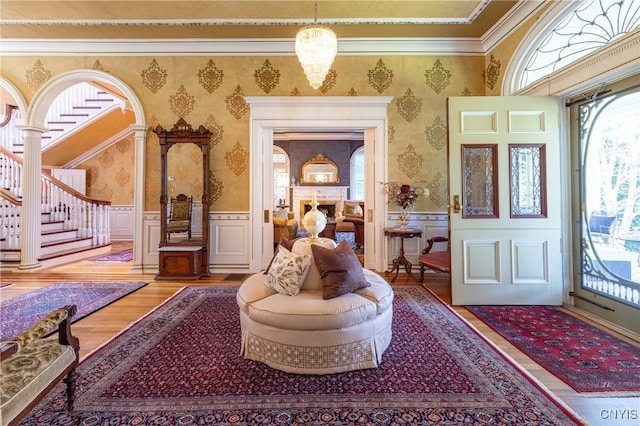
505,239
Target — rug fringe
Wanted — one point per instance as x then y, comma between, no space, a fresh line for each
613,394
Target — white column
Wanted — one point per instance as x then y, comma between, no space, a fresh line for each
138,199
31,218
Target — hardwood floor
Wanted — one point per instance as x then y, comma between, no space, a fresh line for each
99,327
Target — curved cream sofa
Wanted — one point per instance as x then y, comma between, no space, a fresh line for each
306,334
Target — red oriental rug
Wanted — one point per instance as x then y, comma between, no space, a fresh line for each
19,312
583,356
181,364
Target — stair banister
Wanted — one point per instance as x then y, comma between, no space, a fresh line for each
63,203
9,134
10,207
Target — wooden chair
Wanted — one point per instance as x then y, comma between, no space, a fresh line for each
180,215
438,260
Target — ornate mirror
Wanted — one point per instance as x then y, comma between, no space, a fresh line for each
184,204
319,170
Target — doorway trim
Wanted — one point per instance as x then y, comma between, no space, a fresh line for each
314,113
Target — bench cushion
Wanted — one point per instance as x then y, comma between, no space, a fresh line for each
26,373
309,311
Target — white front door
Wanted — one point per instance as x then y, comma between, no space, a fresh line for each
504,176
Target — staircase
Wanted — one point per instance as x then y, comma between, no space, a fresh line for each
73,226
75,108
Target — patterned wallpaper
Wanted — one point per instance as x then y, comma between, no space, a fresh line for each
110,173
210,92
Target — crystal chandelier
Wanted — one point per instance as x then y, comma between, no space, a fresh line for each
316,47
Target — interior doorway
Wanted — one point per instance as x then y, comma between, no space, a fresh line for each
317,114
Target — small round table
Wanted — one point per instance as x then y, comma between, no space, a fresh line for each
401,260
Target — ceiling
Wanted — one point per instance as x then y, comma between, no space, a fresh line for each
145,19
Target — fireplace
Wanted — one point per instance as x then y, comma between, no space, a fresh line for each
330,198
329,210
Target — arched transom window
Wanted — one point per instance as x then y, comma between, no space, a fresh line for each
590,26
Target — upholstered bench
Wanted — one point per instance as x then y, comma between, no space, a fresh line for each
307,333
32,366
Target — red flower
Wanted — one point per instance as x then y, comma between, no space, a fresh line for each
405,189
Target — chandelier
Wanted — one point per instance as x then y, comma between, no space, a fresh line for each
316,47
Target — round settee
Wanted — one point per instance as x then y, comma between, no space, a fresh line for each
307,334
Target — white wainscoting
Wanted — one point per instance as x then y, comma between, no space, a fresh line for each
229,241
229,238
121,223
431,225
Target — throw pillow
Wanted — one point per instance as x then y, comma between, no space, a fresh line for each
340,270
287,272
288,244
352,209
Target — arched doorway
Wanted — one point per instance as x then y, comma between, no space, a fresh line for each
34,125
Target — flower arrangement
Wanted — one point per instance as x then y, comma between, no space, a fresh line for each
404,195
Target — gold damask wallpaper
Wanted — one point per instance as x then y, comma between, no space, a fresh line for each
210,91
110,173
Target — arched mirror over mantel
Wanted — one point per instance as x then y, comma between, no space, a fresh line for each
184,203
319,170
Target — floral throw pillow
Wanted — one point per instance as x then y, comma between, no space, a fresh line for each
287,272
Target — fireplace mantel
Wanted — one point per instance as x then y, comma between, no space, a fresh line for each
324,195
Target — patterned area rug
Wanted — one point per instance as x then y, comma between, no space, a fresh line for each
181,365
19,312
121,256
583,356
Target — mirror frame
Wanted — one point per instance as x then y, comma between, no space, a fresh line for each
319,165
182,132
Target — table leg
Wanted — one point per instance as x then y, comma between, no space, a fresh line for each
401,260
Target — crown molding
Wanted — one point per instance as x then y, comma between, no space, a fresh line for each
234,47
511,21
403,20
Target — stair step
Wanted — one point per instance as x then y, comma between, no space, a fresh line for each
63,122
56,235
70,252
74,115
64,241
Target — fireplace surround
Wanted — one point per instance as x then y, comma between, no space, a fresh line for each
331,198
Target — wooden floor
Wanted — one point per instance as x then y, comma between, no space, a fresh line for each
97,328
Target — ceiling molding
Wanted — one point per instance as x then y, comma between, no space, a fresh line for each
224,22
511,21
235,47
389,46
251,21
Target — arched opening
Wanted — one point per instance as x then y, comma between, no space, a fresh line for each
34,125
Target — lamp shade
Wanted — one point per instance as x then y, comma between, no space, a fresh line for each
316,47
